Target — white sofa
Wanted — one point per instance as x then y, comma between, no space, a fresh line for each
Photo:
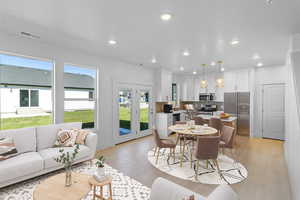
36,152
163,189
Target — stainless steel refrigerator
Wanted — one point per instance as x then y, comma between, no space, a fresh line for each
238,104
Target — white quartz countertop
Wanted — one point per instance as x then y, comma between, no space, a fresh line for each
207,117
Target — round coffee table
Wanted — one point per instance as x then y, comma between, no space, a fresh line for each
53,188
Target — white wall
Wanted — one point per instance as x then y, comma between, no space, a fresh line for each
292,131
109,70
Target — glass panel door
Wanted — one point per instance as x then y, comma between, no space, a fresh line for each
144,111
125,112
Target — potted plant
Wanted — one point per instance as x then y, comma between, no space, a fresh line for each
100,173
67,159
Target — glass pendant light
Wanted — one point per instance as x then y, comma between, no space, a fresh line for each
203,83
219,79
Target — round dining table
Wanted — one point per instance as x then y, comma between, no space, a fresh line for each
184,131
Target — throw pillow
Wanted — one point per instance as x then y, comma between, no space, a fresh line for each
65,138
81,136
192,197
7,148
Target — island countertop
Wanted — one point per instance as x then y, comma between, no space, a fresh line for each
208,117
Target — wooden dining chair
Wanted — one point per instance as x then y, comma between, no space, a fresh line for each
207,148
163,144
199,121
227,139
216,123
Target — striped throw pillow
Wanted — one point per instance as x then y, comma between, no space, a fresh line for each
7,148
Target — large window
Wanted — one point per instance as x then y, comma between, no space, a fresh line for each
25,92
80,97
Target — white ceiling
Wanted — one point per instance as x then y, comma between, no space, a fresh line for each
204,27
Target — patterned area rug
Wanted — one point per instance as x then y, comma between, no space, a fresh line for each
124,187
233,172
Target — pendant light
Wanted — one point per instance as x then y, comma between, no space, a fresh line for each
203,83
220,79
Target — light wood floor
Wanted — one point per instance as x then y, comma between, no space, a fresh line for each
267,173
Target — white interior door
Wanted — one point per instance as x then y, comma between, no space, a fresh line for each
273,111
133,112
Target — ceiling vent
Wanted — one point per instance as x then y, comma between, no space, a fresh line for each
29,35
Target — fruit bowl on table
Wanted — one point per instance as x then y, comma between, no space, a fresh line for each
224,116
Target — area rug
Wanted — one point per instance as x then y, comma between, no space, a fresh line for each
124,187
233,172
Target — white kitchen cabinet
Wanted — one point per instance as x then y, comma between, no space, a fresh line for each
242,80
163,121
236,81
164,85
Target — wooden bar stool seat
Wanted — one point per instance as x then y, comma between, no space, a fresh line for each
105,182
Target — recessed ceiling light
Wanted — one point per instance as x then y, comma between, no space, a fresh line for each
194,72
112,42
153,60
165,17
259,64
186,53
222,69
181,68
213,63
235,42
256,57
269,1
29,35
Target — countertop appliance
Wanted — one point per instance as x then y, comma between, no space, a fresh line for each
168,108
206,96
237,104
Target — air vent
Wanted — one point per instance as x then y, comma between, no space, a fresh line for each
29,35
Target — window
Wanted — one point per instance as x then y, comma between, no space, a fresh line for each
25,92
174,92
80,100
25,98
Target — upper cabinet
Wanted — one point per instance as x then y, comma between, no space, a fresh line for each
237,81
164,85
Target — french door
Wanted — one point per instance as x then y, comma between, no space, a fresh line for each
133,111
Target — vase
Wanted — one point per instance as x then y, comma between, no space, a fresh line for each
68,181
100,172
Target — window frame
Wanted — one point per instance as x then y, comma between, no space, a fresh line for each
95,96
51,88
29,98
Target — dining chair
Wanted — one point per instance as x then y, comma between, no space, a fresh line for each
163,144
184,140
227,139
216,123
199,120
180,123
207,148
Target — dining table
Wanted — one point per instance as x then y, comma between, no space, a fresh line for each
185,131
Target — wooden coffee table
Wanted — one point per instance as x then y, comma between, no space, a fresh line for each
53,188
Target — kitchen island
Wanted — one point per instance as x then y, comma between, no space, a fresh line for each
230,121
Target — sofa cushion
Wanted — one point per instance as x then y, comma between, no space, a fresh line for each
20,165
65,138
171,191
46,135
223,192
49,154
24,139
